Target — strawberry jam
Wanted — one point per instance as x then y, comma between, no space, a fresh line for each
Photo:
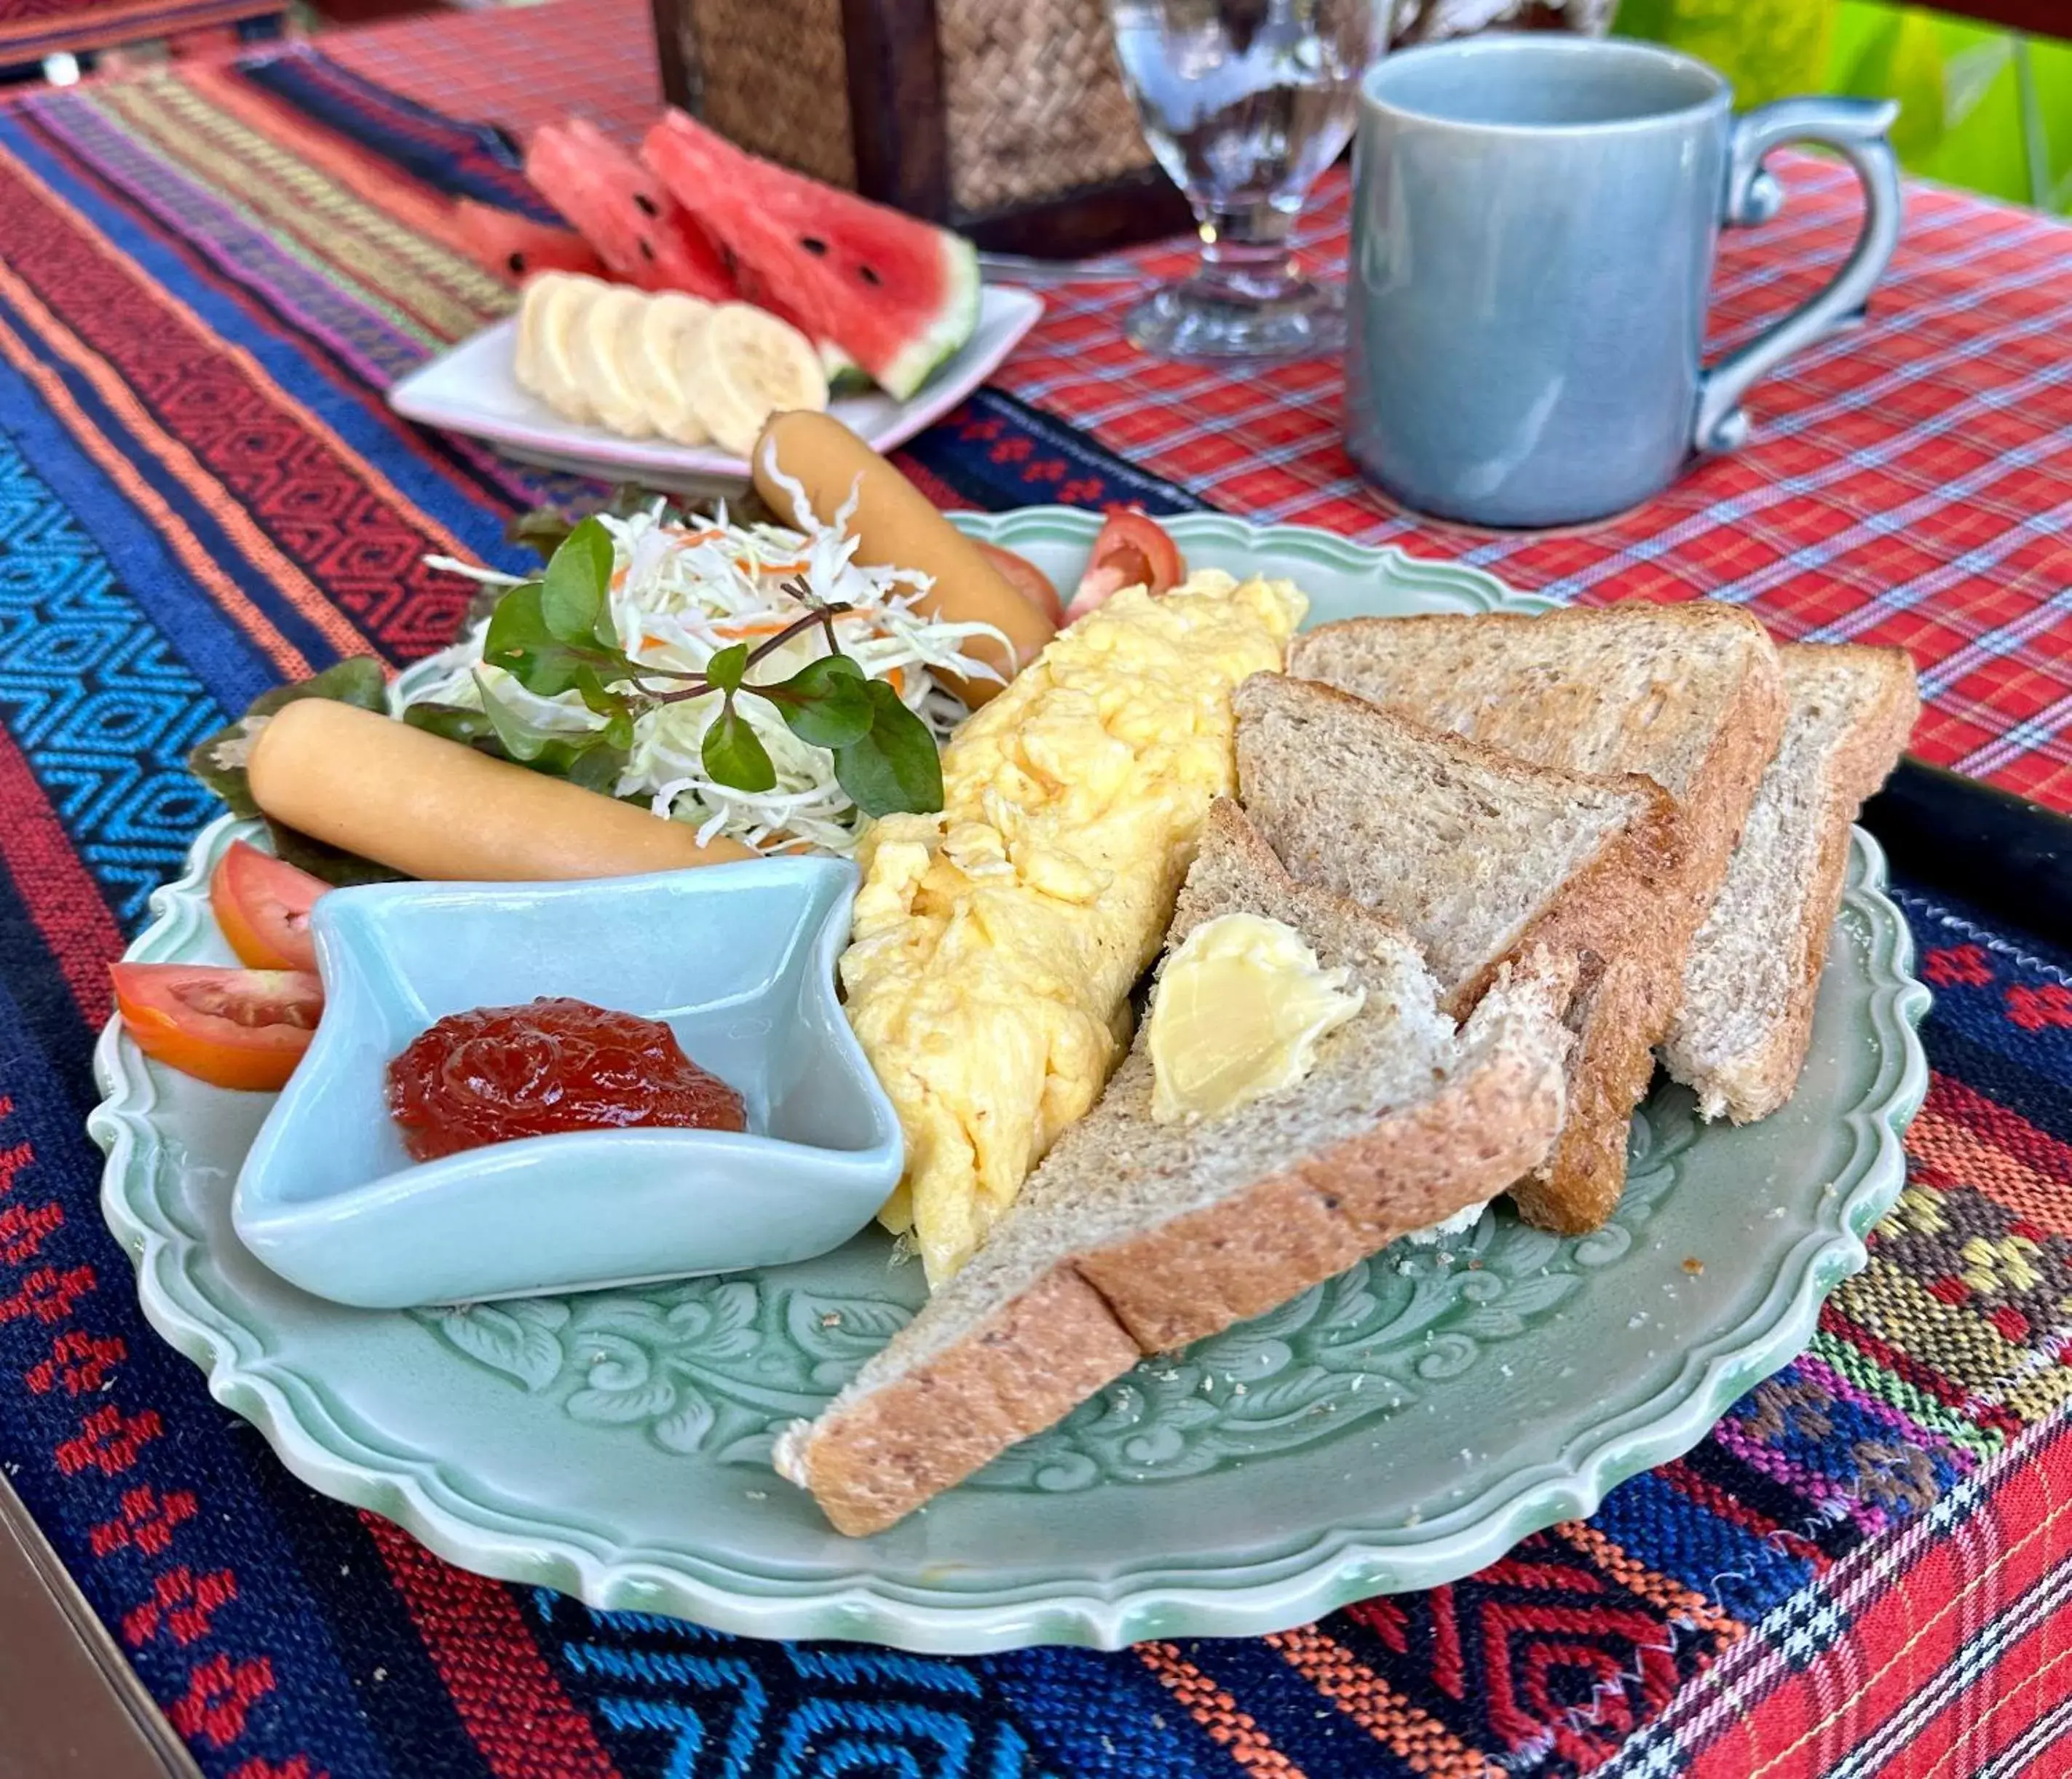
499,1073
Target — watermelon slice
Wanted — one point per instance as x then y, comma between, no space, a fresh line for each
639,232
896,294
516,247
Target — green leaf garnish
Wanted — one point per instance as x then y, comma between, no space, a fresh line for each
555,635
826,702
579,578
452,722
733,753
596,768
725,670
519,642
520,740
896,768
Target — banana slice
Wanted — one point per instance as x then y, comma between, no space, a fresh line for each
525,364
744,365
600,352
562,306
666,325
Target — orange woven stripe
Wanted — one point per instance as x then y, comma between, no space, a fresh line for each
1378,1708
1216,1711
378,484
293,663
1944,1144
1671,1596
377,183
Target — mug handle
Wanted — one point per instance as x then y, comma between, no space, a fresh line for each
1855,128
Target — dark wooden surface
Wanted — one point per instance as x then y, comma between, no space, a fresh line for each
669,52
2041,18
2005,855
1145,206
70,1708
896,125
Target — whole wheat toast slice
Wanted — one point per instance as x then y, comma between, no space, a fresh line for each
1483,857
1754,968
1134,1237
1690,694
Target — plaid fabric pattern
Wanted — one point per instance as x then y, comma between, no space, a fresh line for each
30,30
595,58
206,281
1908,482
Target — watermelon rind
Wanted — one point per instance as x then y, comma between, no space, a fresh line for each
950,329
844,376
763,214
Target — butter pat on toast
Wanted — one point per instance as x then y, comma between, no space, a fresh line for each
1134,1236
1754,968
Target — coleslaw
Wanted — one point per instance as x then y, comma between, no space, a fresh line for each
681,591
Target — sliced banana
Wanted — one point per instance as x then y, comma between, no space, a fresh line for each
743,366
525,364
562,306
666,325
600,352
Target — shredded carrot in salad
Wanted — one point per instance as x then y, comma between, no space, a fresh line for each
680,594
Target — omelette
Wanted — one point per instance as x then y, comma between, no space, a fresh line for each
995,943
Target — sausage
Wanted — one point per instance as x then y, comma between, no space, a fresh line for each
896,525
419,804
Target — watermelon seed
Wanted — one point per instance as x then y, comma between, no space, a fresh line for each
516,262
646,248
814,246
647,203
869,274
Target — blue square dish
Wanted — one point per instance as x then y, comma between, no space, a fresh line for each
739,960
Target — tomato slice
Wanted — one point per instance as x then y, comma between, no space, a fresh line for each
232,1028
262,904
1132,550
1030,582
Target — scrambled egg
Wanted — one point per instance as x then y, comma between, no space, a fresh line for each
995,943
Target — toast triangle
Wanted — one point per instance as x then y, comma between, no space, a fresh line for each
1482,857
1134,1236
1690,694
1754,968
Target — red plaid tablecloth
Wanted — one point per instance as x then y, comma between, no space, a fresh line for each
30,30
1909,481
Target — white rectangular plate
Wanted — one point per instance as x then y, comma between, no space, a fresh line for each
470,389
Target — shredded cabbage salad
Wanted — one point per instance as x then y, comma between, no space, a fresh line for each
682,591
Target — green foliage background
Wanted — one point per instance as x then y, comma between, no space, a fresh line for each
1979,107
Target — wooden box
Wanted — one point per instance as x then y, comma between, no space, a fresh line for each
1007,119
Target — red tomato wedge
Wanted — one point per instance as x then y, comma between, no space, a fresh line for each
262,904
1132,550
231,1028
1030,582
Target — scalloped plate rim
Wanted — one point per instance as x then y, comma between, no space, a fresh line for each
1270,1587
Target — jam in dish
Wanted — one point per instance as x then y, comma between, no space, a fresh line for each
496,1073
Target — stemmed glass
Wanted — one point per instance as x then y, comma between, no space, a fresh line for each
1245,102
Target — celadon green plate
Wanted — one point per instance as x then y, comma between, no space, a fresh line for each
1398,1427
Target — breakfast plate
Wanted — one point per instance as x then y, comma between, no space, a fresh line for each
471,388
1395,1429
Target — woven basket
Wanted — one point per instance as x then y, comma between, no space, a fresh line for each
1006,118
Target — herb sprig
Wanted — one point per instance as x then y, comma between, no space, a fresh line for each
556,635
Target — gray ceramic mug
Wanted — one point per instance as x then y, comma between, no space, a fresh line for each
1534,220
